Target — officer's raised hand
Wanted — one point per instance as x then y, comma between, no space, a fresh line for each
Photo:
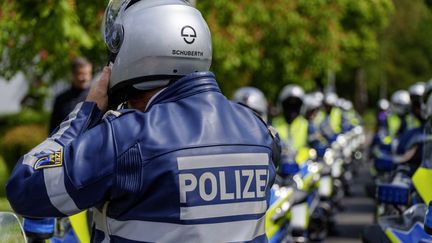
99,90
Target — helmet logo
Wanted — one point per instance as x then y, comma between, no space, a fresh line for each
189,34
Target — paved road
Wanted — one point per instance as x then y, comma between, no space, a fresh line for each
357,214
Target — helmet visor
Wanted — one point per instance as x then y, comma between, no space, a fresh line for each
110,26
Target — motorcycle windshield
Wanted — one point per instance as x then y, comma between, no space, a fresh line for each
10,228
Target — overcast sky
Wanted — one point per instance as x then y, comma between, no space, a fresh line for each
11,93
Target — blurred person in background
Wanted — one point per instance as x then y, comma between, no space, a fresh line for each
66,101
382,116
254,99
400,110
311,107
292,126
332,123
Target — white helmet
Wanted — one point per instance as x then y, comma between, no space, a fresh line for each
310,103
291,91
153,42
401,102
254,99
331,99
417,89
383,104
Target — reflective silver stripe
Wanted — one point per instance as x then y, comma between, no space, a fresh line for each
147,231
100,224
66,124
223,210
49,146
222,160
56,189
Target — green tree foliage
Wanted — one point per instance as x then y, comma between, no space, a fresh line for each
406,46
40,38
269,44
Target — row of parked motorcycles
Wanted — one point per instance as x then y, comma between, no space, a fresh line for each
402,213
308,195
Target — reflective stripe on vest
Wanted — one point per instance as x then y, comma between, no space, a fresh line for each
148,231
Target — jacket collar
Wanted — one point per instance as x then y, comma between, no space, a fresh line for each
189,85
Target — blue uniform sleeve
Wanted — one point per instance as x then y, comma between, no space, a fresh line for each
70,171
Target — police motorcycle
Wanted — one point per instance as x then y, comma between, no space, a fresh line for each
331,191
345,139
34,231
401,174
411,219
11,229
300,168
408,194
48,230
296,213
386,139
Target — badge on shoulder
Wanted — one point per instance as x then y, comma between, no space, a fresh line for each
49,160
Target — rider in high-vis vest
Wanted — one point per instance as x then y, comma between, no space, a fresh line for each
398,121
422,178
292,126
181,164
311,107
254,99
332,123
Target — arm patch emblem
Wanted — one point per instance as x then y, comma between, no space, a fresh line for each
49,160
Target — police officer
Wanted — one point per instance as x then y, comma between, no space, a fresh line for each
184,164
292,127
382,115
311,107
400,107
254,99
66,101
410,147
332,123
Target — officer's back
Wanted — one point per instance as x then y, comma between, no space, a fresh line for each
191,166
184,165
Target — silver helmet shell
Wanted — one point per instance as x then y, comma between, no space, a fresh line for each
401,102
310,103
291,91
331,99
154,41
254,99
383,104
417,89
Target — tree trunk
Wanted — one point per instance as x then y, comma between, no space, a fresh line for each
361,96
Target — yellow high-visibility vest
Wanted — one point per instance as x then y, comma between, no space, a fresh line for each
336,120
295,133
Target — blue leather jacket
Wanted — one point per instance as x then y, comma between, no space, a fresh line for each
194,167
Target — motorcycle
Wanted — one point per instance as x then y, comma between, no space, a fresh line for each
11,229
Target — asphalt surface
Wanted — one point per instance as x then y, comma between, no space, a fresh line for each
357,213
